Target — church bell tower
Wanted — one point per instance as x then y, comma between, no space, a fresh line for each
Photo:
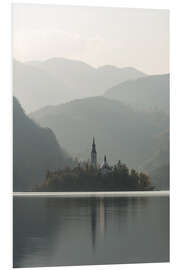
94,155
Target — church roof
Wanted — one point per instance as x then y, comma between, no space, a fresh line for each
105,164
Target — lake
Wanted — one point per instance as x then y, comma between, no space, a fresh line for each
52,231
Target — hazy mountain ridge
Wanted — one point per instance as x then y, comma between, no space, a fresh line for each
158,165
35,150
120,131
147,93
122,120
35,87
38,84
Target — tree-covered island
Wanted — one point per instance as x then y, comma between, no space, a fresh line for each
85,177
93,177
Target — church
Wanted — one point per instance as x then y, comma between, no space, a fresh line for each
104,168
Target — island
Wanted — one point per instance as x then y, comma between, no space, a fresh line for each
91,176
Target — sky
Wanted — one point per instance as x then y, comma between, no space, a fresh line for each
98,36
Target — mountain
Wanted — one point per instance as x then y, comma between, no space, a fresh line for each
160,177
148,93
57,80
35,87
35,150
110,76
158,165
120,132
87,80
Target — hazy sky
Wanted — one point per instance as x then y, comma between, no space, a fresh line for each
97,36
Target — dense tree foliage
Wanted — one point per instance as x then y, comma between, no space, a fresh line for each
86,178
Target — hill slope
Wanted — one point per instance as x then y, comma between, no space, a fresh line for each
158,165
120,132
151,92
35,150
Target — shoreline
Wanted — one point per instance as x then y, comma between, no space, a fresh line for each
94,194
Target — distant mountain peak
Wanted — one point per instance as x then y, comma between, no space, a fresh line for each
145,93
116,68
38,84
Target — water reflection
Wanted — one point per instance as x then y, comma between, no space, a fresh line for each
102,215
93,221
74,231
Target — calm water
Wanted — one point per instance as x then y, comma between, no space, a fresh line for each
76,231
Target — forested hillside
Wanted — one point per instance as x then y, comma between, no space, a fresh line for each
35,150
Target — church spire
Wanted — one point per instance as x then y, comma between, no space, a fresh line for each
93,146
94,154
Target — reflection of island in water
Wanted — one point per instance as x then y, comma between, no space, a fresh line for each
99,213
76,231
98,217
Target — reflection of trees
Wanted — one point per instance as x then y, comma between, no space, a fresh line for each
102,215
47,220
93,207
36,223
108,209
27,219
